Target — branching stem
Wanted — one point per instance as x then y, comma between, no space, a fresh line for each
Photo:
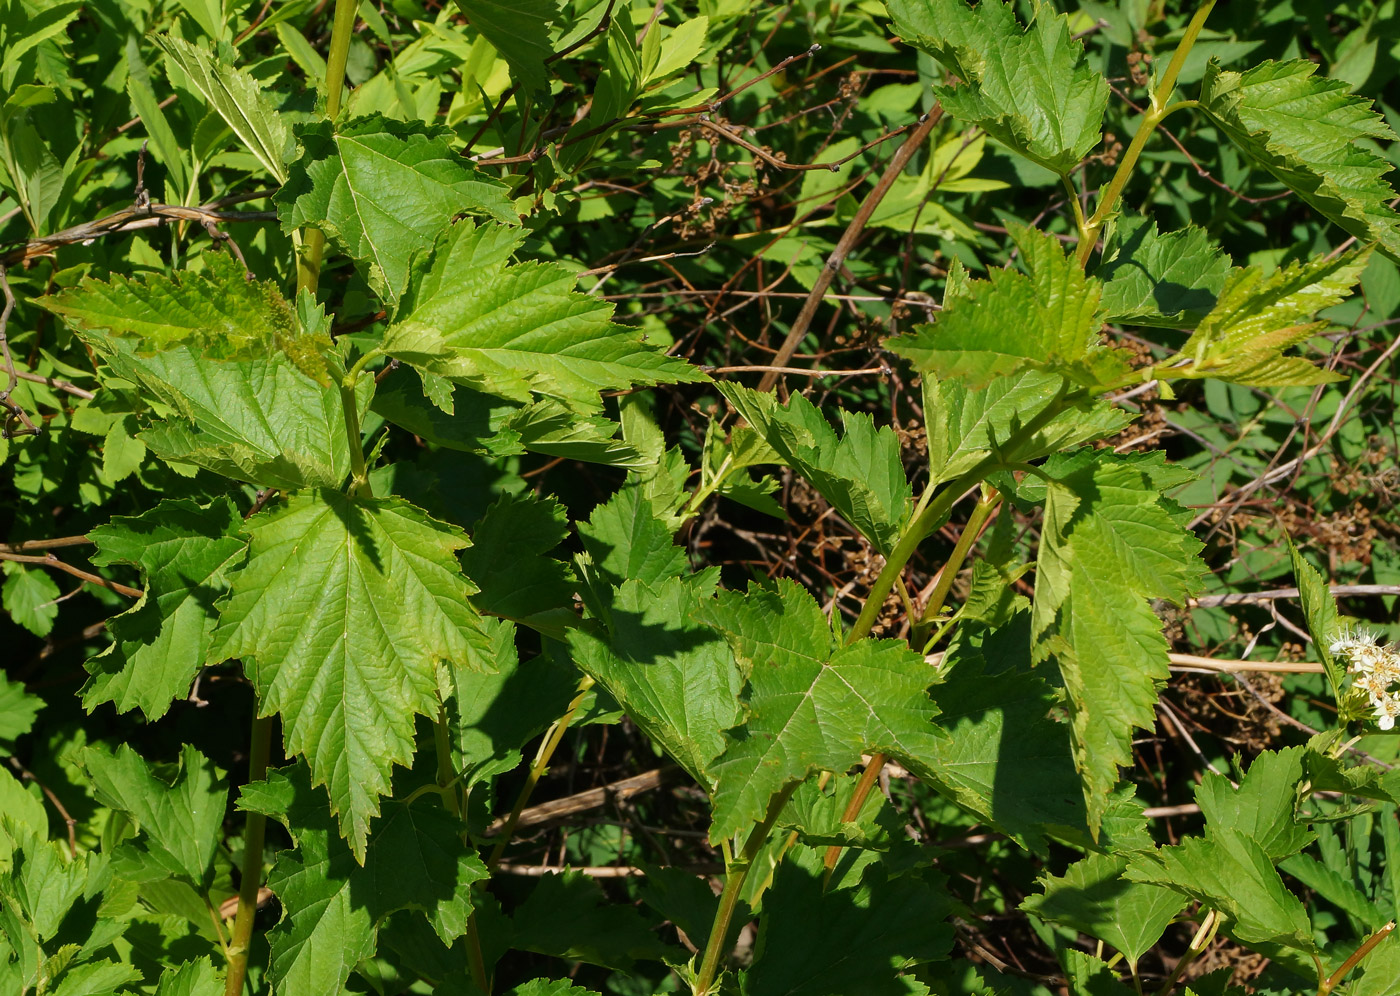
735,876
1333,980
1108,200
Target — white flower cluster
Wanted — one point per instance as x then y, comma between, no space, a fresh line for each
1375,667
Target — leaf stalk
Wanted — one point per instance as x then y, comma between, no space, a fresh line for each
1333,980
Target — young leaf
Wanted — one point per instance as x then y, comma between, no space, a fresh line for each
861,473
1312,134
1089,975
814,942
344,609
1110,544
237,98
331,906
965,425
30,597
1170,280
506,560
186,553
1047,319
1029,88
628,541
217,311
179,818
193,978
1320,614
1093,897
384,189
1232,874
810,702
1257,317
260,420
1263,807
516,330
676,679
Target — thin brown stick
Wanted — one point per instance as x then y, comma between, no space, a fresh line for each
126,220
47,544
1247,597
796,371
582,801
49,560
56,384
848,240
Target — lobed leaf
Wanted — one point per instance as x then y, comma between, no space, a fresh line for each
1313,134
1110,544
343,612
861,473
810,703
384,189
186,553
1168,279
515,330
1030,88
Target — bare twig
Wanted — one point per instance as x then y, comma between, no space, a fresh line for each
47,544
13,412
49,560
898,161
581,801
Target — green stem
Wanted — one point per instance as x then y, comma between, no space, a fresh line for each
342,30
924,522
446,773
980,514
735,876
547,748
1108,200
252,864
359,473
1332,981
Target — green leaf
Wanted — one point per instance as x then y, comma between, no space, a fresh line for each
1047,319
507,562
1005,757
966,425
1313,135
1257,316
1333,886
261,421
331,906
39,889
24,813
95,978
1380,975
181,817
515,330
676,679
1170,280
861,473
345,608
17,711
627,540
216,311
814,942
1031,89
1263,807
186,553
1110,544
493,715
810,703
1093,897
568,916
193,978
519,31
1232,874
30,597
1087,975
384,189
1320,615
237,98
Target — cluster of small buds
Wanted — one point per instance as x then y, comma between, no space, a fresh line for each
1375,667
